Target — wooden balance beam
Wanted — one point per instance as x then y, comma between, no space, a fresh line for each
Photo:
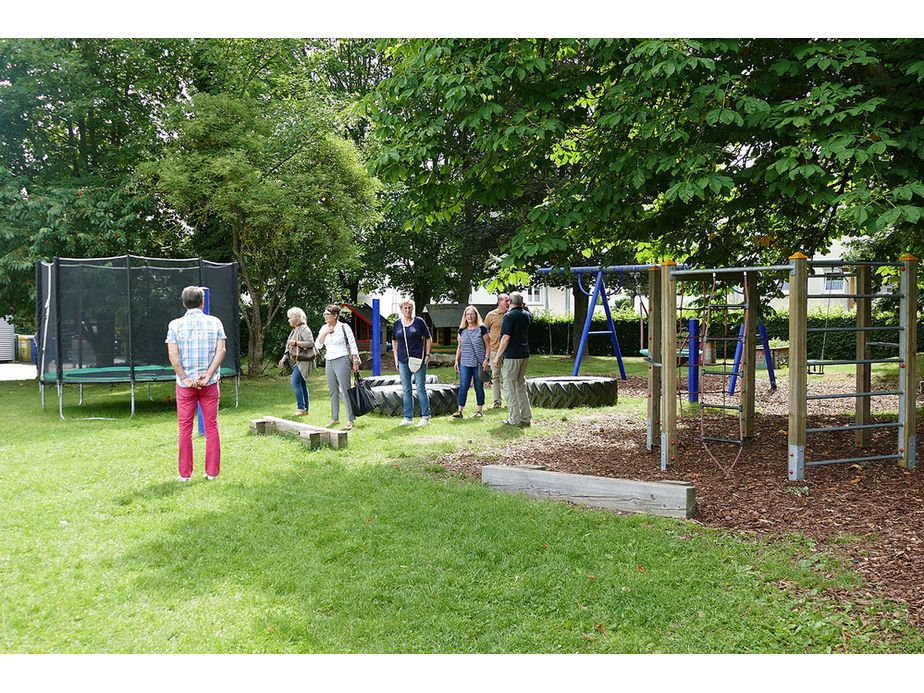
310,436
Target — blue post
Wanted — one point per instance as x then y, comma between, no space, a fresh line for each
590,314
768,357
693,361
738,352
205,309
376,338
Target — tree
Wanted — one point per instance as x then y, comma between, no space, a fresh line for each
286,189
76,116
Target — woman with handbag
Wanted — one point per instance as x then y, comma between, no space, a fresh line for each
337,338
410,344
474,343
302,356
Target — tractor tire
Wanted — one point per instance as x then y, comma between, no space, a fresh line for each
567,392
389,399
382,380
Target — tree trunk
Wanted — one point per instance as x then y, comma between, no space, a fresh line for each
257,336
580,313
466,271
421,296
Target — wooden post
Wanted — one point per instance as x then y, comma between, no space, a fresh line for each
798,314
907,351
654,355
749,356
864,370
668,364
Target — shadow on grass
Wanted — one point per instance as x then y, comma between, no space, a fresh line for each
163,489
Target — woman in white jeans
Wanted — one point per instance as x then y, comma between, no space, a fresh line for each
340,344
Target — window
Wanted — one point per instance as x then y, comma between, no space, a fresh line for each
533,294
834,283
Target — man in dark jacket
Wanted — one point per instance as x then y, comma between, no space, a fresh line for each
513,351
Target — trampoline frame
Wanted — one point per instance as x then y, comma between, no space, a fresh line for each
168,376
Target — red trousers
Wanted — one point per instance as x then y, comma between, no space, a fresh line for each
186,400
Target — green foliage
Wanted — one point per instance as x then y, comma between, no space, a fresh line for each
553,335
285,193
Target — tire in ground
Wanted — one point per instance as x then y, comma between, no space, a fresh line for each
566,392
395,379
389,399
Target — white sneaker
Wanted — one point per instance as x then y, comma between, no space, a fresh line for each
406,422
182,478
424,421
207,476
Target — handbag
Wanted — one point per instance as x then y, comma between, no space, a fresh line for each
413,363
362,401
301,355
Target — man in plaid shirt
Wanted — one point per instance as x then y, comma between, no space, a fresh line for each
196,346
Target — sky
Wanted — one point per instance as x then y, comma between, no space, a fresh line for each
471,18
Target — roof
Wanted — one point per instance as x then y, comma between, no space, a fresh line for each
450,314
364,312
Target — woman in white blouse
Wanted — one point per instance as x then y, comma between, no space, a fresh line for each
340,344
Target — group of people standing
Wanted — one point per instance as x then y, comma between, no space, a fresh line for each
498,345
196,347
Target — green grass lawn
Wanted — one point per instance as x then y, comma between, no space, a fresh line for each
370,549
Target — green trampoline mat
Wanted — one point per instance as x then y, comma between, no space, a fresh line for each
121,374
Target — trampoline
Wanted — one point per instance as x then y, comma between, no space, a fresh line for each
103,320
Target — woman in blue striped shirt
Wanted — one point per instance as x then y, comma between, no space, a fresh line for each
471,356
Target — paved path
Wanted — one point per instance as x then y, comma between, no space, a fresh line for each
17,371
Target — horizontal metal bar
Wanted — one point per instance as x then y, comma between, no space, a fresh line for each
599,332
612,269
836,295
653,363
727,305
853,459
723,440
884,344
851,363
878,393
888,328
856,427
732,270
735,372
722,339
720,406
845,263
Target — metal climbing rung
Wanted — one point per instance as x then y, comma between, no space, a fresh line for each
884,344
734,372
855,427
877,393
727,305
599,332
890,328
723,440
723,339
735,407
853,459
853,362
855,296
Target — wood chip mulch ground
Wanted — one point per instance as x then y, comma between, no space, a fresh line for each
871,513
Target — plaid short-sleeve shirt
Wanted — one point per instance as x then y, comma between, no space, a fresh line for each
196,336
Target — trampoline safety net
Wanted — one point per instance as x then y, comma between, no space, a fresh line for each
109,316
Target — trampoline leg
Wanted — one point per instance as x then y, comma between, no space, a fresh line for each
61,402
149,392
133,400
42,390
80,403
237,381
